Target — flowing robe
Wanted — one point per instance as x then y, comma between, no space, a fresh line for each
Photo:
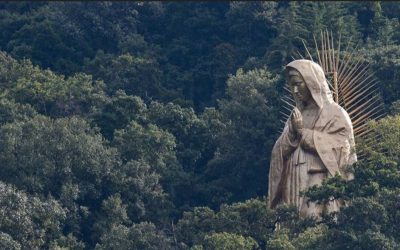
324,150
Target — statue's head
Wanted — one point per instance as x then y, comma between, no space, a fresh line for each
307,82
298,86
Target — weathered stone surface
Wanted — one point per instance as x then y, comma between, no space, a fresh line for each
316,143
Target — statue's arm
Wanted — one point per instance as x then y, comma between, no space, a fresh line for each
334,143
337,130
288,141
307,140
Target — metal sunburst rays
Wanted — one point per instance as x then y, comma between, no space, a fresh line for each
353,85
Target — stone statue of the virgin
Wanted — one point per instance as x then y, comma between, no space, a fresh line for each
316,143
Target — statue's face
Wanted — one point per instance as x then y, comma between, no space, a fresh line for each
298,86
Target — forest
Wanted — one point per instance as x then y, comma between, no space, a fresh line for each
149,125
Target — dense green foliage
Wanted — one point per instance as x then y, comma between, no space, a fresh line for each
149,125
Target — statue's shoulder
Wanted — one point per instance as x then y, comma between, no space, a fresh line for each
336,111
